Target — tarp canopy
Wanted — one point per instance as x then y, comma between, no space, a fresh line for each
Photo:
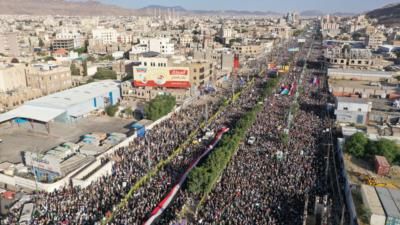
41,114
136,126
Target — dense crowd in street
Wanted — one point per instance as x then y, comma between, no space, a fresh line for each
74,205
147,197
269,182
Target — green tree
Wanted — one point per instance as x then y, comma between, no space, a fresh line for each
111,110
105,74
384,147
49,58
106,58
74,70
128,112
91,59
297,32
80,50
397,54
84,66
356,36
356,144
197,180
159,106
86,45
41,43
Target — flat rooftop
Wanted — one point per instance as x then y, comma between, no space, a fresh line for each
359,84
353,72
73,96
17,139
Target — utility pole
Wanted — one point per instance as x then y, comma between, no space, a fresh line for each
206,112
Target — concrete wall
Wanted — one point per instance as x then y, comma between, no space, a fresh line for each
343,116
347,188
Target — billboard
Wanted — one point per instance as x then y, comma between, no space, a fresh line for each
301,40
293,49
170,77
43,162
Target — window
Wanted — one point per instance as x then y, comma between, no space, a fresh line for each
345,108
359,62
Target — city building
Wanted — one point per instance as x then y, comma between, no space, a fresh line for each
105,35
160,45
201,72
329,27
347,57
148,93
281,31
9,45
48,78
375,40
69,105
247,50
352,110
68,44
12,76
66,34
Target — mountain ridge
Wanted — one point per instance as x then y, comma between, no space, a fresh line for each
96,8
387,15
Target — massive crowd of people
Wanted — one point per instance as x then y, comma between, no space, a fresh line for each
140,206
75,205
270,181
266,183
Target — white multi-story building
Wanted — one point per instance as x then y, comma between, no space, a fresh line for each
139,48
160,45
352,110
105,35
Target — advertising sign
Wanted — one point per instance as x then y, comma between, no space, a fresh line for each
293,49
39,161
170,77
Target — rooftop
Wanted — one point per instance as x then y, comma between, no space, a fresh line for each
51,106
354,72
73,96
353,100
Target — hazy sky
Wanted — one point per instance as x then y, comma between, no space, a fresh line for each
263,5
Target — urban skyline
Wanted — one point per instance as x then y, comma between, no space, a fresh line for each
349,6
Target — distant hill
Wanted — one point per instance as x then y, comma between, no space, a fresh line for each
388,15
311,13
61,7
157,9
